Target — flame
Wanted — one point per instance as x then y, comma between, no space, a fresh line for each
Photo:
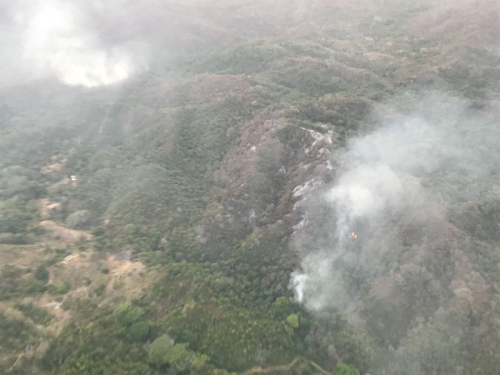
354,235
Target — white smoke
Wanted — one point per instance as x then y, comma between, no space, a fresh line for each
60,39
363,192
374,181
390,178
53,42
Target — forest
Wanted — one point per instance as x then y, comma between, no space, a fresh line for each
250,187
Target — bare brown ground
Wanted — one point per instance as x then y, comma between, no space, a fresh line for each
126,277
266,370
282,368
377,56
65,235
55,167
64,181
46,206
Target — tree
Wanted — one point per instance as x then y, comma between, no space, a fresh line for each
179,357
63,288
140,330
199,362
343,369
78,219
164,352
281,308
42,274
158,350
14,216
293,320
127,314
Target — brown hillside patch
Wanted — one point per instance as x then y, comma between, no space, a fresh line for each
54,308
46,206
67,236
22,256
64,181
240,164
126,277
55,167
76,269
56,164
90,271
379,57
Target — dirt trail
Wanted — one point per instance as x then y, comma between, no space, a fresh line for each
282,368
46,206
266,370
55,167
64,181
17,360
319,368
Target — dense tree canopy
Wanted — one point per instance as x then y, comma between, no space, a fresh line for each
154,226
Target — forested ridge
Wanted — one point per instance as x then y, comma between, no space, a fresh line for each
153,226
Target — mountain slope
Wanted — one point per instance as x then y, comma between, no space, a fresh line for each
198,193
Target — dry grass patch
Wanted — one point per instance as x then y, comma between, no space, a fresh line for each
65,235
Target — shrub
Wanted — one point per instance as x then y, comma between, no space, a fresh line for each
42,274
37,314
140,331
159,349
99,291
36,287
293,320
164,352
127,314
343,369
78,219
63,288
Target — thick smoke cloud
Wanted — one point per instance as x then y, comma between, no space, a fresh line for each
395,188
64,39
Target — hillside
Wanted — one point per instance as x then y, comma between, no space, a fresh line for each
244,187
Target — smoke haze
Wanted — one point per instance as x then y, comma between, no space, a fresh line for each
408,172
64,40
301,184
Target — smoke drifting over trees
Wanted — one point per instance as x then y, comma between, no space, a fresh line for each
70,41
278,186
405,190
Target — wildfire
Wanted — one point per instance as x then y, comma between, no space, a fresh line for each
354,235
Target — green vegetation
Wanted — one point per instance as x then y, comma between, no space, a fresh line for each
140,331
42,274
293,320
189,171
164,352
63,288
38,315
343,369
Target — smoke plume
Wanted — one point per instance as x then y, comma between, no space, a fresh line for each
65,40
396,189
